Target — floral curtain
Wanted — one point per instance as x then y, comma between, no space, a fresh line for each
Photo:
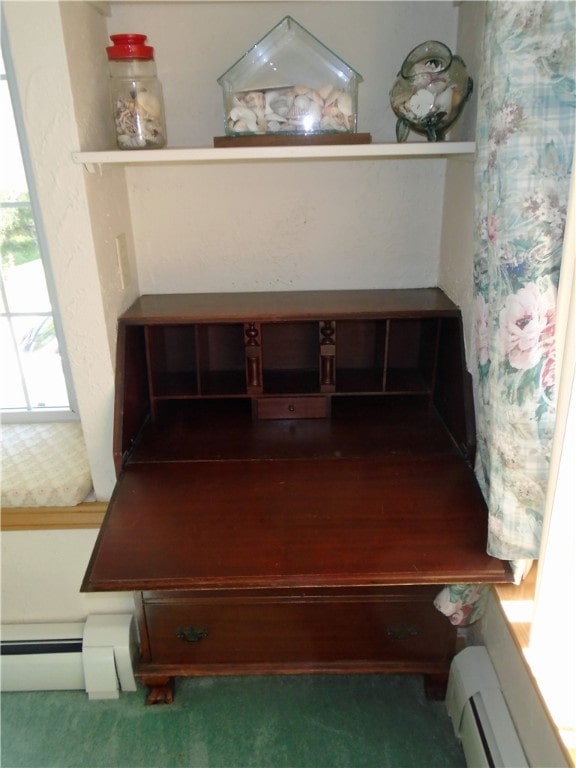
525,143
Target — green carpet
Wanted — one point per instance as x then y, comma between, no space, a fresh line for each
324,721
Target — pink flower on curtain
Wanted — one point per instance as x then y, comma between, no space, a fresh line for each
527,325
463,604
492,228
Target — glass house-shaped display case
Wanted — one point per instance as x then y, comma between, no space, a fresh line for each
289,83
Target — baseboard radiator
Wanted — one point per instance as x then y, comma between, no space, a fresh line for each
96,655
479,713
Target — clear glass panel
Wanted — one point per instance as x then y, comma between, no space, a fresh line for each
22,269
13,178
12,393
41,361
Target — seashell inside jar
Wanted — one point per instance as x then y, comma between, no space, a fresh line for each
430,91
291,109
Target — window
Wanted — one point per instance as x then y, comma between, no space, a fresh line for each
33,384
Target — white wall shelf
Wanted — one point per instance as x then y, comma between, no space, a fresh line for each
420,149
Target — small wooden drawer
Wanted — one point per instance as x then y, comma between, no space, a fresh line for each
291,407
297,631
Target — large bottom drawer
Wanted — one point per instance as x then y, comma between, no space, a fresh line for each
403,627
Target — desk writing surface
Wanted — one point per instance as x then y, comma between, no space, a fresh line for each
244,524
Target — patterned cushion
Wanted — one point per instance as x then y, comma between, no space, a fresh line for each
44,465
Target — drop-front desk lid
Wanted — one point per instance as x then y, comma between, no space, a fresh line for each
294,523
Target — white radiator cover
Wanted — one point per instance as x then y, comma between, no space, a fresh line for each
30,660
479,713
96,655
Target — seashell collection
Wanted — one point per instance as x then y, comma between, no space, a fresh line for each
138,117
293,109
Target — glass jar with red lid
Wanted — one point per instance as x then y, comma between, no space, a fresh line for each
136,93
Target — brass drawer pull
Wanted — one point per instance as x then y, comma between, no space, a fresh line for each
191,634
402,632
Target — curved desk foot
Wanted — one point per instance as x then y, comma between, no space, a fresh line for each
435,686
161,690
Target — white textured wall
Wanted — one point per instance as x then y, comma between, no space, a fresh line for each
279,226
85,40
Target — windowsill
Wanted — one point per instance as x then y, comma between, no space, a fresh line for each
517,604
86,515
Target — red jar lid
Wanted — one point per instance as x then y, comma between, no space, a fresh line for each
129,47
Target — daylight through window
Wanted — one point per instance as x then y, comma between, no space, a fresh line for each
32,379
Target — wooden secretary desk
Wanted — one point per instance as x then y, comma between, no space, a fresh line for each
294,483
